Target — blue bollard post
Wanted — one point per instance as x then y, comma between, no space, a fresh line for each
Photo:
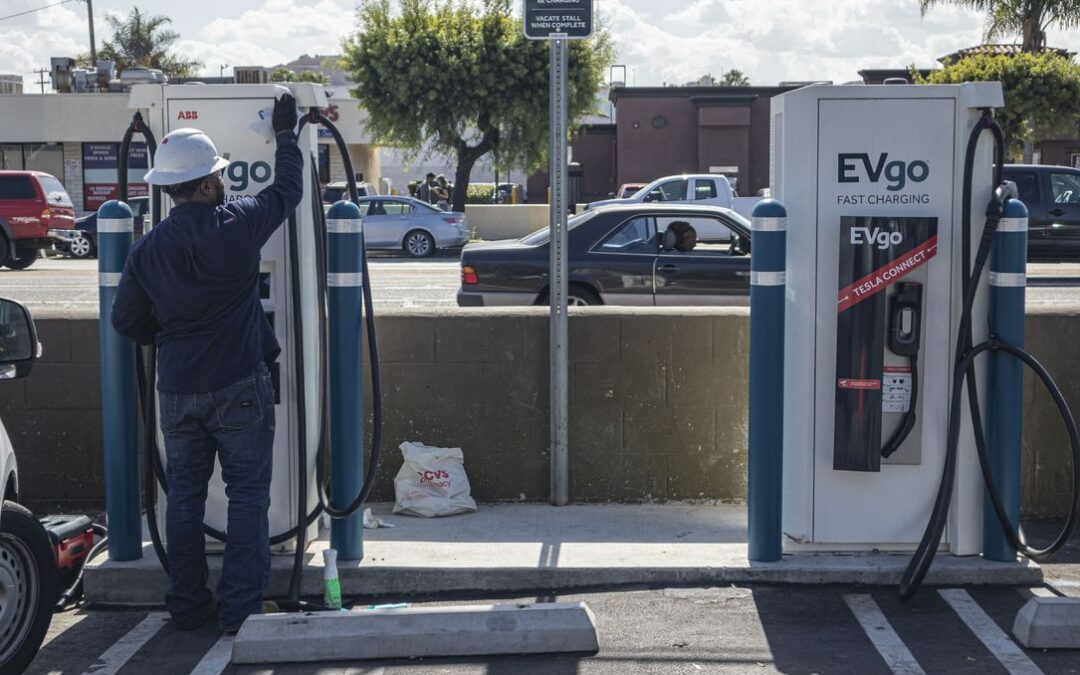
119,397
345,281
767,279
1005,407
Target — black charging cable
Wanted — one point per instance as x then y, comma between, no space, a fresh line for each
964,372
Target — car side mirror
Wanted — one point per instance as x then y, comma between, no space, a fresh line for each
19,346
651,197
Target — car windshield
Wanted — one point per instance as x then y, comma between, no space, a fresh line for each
541,236
54,191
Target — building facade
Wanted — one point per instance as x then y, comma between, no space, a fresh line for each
76,138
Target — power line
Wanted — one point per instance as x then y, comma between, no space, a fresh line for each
31,11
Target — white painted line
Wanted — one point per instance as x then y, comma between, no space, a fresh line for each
892,649
60,624
1011,656
217,659
114,658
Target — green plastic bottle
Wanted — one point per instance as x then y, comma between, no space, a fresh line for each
331,582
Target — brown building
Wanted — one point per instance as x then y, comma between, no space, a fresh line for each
662,131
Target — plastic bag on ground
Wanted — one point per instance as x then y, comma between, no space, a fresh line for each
432,482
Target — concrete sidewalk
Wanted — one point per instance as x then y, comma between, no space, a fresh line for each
531,548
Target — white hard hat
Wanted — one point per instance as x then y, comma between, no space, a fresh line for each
183,155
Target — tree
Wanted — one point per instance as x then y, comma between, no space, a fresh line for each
735,78
1042,92
142,40
1027,18
461,77
283,74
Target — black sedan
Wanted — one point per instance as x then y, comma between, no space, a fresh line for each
84,245
618,255
1052,197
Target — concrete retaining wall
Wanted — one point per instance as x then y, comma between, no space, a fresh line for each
498,221
658,404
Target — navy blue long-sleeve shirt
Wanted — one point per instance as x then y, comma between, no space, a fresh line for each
191,285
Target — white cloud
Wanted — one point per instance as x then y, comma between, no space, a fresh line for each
778,40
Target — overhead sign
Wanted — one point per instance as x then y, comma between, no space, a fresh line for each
545,19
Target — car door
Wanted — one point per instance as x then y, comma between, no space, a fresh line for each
1063,210
621,261
1028,186
674,190
710,274
398,221
378,225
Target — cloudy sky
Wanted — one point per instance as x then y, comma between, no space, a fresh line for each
658,40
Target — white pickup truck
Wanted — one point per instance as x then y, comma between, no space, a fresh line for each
711,189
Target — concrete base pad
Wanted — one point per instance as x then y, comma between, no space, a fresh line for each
535,548
1049,623
401,633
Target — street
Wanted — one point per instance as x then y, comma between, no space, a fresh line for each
745,629
65,283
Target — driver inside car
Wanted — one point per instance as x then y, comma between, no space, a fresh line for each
685,236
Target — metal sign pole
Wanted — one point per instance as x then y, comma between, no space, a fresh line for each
557,284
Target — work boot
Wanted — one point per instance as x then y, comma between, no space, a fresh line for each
206,614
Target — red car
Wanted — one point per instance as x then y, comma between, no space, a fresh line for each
35,211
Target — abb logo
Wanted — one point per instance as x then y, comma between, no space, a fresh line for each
428,476
331,112
187,115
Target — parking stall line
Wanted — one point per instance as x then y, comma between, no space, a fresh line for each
114,658
892,649
217,658
1011,656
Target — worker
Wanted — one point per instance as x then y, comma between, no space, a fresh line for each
191,286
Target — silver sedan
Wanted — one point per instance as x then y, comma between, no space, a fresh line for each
409,225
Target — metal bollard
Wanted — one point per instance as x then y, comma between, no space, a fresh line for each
1005,405
345,281
119,395
766,467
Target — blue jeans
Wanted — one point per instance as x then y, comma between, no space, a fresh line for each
237,424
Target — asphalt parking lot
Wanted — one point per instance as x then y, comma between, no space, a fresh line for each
745,629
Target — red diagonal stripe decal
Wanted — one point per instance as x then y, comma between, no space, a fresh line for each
883,277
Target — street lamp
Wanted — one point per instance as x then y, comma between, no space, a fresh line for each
93,45
221,70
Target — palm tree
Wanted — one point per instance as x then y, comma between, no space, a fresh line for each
1028,18
735,78
142,40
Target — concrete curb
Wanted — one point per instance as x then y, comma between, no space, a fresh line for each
143,582
415,632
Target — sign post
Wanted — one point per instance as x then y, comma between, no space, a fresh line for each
559,21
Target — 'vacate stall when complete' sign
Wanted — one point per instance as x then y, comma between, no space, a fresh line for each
564,18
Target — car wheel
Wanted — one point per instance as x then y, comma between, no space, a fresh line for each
24,257
419,244
576,296
82,246
27,587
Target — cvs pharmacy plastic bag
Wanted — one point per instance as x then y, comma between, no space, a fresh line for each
432,482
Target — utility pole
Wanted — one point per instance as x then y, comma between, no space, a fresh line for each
221,70
93,42
41,78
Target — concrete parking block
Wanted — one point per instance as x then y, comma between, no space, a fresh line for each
415,632
1049,623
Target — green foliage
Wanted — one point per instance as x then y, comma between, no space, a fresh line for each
283,74
735,78
481,193
1042,91
142,40
463,79
1027,18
